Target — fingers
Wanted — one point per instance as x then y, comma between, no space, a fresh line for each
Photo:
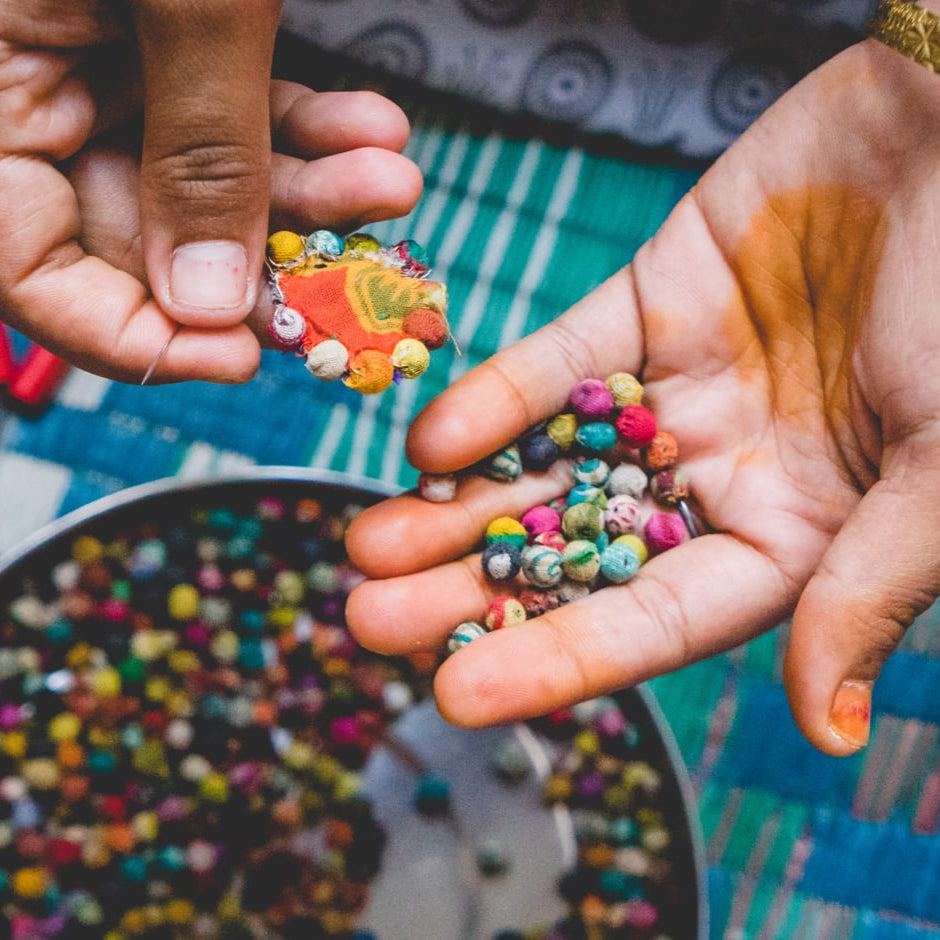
205,172
530,380
83,309
691,602
855,609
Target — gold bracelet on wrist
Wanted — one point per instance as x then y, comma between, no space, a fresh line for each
908,29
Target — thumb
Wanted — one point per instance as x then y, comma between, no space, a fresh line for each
205,166
880,572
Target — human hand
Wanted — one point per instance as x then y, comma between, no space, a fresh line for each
784,323
116,231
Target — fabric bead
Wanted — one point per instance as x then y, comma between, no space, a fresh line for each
411,357
636,425
583,521
429,326
592,470
325,243
183,602
287,327
591,398
538,451
587,493
625,389
506,529
540,519
537,602
552,539
437,487
328,360
636,543
581,561
501,561
619,563
370,372
361,244
661,453
504,465
671,486
504,612
284,247
621,515
541,565
596,437
627,479
663,530
562,429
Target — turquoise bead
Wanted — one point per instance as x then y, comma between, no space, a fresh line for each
587,493
325,243
619,563
596,436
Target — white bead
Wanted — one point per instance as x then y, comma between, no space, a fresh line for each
327,360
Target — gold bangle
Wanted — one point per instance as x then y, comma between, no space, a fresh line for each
908,29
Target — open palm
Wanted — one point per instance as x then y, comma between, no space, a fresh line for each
783,321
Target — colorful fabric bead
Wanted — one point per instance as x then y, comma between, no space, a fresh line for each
583,521
541,565
504,612
591,470
411,357
505,465
562,429
662,531
661,453
596,437
671,486
581,561
621,515
636,543
540,519
591,398
636,425
625,389
619,563
437,487
627,479
587,493
501,561
328,360
506,529
538,451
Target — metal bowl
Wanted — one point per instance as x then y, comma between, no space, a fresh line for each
493,859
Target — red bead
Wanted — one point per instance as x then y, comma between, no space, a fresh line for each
636,425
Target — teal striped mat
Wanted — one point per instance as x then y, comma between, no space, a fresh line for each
799,845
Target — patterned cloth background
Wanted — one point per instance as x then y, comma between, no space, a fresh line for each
688,75
798,845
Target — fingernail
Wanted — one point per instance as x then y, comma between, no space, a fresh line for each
850,715
209,275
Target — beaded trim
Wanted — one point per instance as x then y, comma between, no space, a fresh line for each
908,29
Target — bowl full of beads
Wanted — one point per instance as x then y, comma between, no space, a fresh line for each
192,745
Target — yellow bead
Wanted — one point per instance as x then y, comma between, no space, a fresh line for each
183,602
282,617
179,911
411,358
157,688
346,787
41,773
87,549
29,883
180,705
146,826
78,656
115,935
636,543
106,683
562,429
625,388
289,586
134,921
506,526
299,755
214,788
284,247
183,661
587,742
64,727
229,907
225,646
13,743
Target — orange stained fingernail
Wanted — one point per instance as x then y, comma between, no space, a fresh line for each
850,715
